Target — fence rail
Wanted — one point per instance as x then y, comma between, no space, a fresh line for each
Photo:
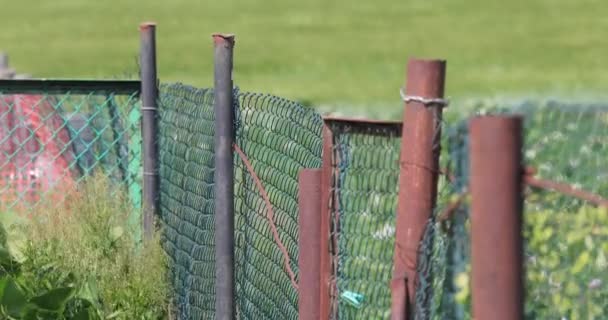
58,86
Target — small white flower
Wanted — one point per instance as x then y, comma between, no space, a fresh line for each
574,162
557,136
545,167
530,154
595,284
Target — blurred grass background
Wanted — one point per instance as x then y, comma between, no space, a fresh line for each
324,52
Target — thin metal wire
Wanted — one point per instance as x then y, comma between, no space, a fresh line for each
270,215
439,102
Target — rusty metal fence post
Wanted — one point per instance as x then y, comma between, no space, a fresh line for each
149,97
496,217
419,166
224,178
309,260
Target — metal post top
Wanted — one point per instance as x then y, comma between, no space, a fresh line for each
426,60
223,38
148,24
491,121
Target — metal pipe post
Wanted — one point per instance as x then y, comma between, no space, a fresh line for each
309,261
3,61
224,178
419,166
149,97
496,218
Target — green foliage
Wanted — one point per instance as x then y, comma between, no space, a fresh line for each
81,262
566,262
65,299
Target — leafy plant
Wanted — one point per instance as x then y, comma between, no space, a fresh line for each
566,263
64,299
81,261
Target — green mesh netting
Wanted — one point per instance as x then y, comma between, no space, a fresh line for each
365,174
279,137
565,249
565,238
186,166
51,142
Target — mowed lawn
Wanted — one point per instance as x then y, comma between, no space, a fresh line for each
350,52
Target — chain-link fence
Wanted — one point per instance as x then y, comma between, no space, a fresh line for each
364,185
186,166
55,134
275,138
279,138
565,236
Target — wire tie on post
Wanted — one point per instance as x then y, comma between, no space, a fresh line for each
148,108
148,173
425,101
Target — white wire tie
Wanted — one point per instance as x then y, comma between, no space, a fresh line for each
425,101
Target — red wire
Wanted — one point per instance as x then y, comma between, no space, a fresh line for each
269,216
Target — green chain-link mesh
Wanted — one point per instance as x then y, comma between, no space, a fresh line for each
186,166
50,143
564,142
365,166
279,137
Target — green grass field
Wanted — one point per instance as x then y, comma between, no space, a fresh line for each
324,51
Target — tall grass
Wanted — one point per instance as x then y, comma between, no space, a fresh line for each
89,236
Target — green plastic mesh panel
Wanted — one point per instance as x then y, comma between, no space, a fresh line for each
50,143
365,174
279,137
186,166
565,251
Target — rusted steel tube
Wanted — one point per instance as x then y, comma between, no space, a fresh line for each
496,217
309,260
325,243
419,163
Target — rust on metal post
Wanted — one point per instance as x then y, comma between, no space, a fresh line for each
496,217
309,261
325,244
419,166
